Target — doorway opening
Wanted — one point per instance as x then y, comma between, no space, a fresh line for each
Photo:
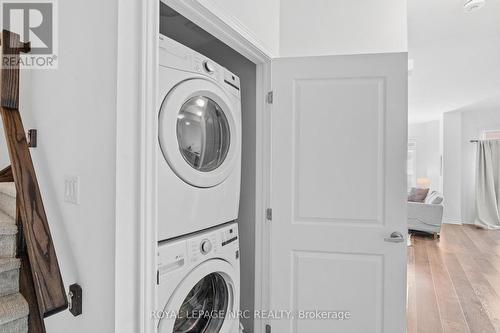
175,26
454,103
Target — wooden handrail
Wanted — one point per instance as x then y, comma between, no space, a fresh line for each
26,283
45,283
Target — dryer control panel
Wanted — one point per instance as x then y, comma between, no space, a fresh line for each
174,55
186,252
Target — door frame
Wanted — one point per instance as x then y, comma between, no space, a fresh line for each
136,153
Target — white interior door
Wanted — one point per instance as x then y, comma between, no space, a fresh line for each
338,191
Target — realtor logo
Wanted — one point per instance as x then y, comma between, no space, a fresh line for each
35,21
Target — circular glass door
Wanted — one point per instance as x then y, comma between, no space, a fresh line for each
203,133
199,132
206,300
204,308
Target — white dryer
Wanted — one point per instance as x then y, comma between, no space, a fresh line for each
199,283
199,141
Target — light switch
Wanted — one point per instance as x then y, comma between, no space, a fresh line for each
71,189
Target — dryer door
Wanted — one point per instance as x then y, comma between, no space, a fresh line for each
199,132
206,301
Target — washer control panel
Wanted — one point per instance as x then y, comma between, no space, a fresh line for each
172,257
202,246
184,252
229,236
212,243
206,246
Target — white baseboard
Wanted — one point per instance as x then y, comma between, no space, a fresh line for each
448,220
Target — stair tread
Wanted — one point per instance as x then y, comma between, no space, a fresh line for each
13,307
8,264
8,189
7,224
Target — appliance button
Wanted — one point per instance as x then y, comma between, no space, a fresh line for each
208,66
206,246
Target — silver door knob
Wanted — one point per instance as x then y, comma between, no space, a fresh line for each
396,237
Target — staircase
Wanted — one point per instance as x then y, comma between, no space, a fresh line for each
14,309
31,285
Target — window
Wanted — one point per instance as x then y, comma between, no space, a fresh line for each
491,135
412,163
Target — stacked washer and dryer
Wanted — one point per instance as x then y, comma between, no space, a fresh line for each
199,171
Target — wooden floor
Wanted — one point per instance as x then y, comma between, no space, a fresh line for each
454,282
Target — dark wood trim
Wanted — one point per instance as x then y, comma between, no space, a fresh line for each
50,290
6,175
11,47
41,257
26,288
26,284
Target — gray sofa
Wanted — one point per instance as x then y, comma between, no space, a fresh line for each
426,216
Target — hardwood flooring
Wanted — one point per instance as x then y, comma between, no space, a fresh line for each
454,282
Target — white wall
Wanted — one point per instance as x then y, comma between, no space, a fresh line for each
460,158
427,136
128,168
326,27
4,153
319,27
258,18
74,110
24,104
452,167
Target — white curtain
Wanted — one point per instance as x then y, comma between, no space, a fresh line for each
488,184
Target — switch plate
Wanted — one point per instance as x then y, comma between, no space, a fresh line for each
72,189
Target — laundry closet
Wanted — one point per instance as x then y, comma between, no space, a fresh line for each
174,26
320,226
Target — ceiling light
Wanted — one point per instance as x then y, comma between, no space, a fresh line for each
473,5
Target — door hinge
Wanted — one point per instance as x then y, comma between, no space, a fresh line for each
269,214
270,97
268,328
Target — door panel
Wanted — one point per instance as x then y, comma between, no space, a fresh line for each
323,133
358,274
338,189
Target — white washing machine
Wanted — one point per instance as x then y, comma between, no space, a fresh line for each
199,283
199,136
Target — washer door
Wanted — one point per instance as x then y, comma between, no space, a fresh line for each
204,301
197,132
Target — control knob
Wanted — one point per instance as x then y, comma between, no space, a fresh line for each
209,67
206,246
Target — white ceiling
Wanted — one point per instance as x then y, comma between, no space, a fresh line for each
456,57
